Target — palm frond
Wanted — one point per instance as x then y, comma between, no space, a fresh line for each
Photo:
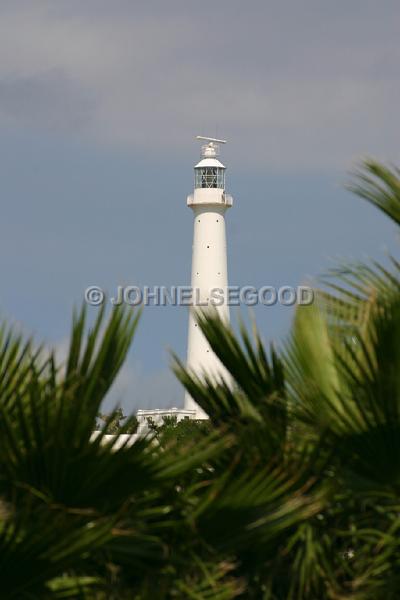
380,185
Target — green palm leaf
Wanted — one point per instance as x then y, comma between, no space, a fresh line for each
380,185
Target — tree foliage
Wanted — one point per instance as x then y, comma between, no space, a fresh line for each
290,491
172,433
114,421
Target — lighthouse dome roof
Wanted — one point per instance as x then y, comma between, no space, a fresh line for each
209,162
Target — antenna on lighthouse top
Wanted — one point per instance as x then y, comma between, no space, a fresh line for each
209,139
211,149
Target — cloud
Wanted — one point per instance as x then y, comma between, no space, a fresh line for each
293,85
49,100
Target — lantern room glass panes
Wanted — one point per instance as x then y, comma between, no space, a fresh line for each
210,177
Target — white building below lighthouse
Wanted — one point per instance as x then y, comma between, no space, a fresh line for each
209,203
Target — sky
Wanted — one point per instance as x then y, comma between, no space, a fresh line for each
100,103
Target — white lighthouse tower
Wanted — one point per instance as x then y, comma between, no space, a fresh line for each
209,203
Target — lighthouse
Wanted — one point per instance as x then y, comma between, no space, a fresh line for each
209,203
